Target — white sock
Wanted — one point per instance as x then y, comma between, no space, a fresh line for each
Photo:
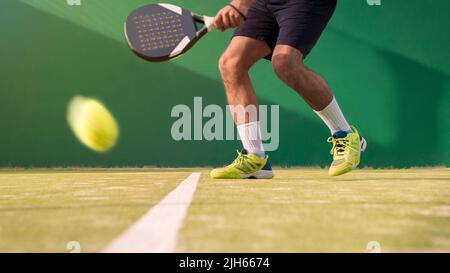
250,134
333,118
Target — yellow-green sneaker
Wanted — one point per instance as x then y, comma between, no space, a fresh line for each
346,151
245,166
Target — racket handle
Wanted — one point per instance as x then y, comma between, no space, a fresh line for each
209,22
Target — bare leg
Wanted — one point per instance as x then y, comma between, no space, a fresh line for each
287,63
240,56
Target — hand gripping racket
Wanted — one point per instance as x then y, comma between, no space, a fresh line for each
160,32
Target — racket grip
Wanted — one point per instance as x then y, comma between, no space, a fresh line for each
209,22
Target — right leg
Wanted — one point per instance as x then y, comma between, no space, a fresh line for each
234,65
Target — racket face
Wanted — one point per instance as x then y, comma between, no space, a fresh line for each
159,32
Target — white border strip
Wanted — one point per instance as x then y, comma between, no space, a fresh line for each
173,8
180,47
157,230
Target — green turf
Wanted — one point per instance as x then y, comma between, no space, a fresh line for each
301,210
306,211
44,210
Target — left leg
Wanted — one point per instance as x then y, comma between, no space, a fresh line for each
347,143
287,63
301,24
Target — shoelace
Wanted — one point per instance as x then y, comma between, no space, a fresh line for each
339,145
240,159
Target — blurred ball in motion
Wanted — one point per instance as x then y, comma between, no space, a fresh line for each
92,124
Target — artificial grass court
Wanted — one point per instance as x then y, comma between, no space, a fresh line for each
301,210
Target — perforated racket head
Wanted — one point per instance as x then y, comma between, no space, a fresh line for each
160,32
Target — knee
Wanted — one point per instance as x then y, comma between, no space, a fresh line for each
232,66
285,66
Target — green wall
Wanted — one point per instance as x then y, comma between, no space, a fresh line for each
389,67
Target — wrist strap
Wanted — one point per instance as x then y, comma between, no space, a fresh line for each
238,11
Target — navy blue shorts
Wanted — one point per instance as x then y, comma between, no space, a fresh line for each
297,23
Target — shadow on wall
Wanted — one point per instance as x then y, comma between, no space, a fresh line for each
67,60
419,96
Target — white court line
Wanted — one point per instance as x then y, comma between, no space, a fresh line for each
157,230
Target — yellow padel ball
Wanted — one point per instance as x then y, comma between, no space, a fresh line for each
92,124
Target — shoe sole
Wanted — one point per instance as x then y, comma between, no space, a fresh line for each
261,174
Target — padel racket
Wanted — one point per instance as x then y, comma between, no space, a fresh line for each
160,32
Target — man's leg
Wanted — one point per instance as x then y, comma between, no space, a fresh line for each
234,65
287,63
347,144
